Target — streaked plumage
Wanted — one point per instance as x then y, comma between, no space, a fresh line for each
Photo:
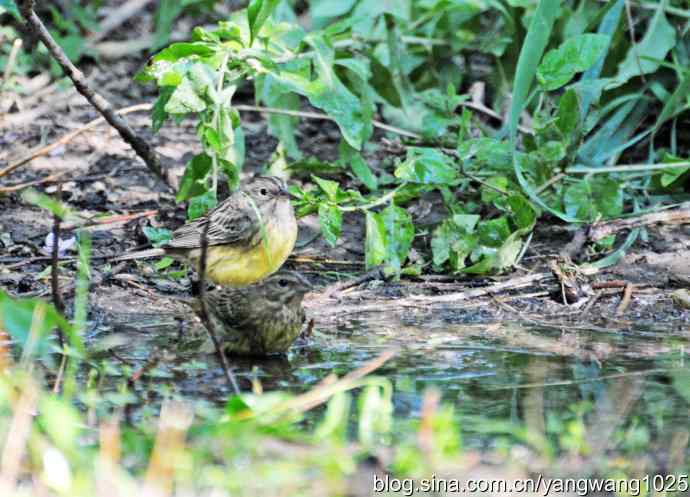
250,235
260,319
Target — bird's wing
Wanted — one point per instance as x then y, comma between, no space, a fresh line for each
231,307
232,221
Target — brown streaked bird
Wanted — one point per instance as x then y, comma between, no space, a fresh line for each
250,235
260,319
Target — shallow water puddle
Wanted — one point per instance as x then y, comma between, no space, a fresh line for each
500,370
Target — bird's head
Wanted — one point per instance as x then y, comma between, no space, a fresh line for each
266,190
286,287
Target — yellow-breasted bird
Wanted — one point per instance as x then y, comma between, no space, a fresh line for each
260,319
250,235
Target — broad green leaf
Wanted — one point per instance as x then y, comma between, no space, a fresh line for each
258,12
157,236
568,117
592,198
158,113
552,151
178,51
399,235
60,421
363,172
427,166
199,205
575,55
330,219
328,93
330,8
523,213
389,236
453,240
375,244
494,232
489,195
193,181
164,263
329,187
670,175
608,26
530,53
644,57
185,99
20,317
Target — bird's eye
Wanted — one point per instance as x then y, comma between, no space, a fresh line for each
283,282
263,192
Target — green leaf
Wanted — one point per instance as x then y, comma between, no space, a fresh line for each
330,220
494,232
193,181
330,188
552,151
575,55
330,8
21,317
157,236
489,195
454,240
530,53
595,197
183,50
328,93
375,244
644,57
523,213
184,99
363,172
568,117
165,262
9,6
199,205
400,231
43,201
608,26
671,175
257,14
427,166
60,421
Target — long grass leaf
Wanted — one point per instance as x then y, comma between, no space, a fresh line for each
530,55
607,27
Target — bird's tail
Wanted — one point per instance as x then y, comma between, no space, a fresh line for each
143,254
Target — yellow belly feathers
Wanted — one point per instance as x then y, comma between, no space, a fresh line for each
235,266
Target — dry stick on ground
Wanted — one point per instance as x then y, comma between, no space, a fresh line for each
203,312
333,290
140,146
41,181
625,301
40,151
671,216
510,284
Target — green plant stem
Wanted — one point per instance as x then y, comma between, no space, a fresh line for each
216,119
626,168
379,201
325,117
